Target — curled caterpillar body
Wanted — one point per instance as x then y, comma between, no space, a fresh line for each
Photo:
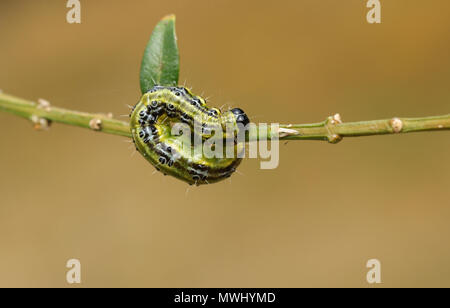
161,110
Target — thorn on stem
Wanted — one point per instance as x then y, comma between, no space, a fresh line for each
396,124
96,124
43,104
284,132
40,123
336,119
335,138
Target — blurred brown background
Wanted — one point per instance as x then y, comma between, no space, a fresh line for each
314,221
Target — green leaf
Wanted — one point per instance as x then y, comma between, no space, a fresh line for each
161,62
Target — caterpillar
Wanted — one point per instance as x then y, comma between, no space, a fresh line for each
153,118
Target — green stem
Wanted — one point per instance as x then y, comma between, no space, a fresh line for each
332,129
31,110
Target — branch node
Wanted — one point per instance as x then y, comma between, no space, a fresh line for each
44,104
108,115
96,124
330,124
40,123
396,124
336,119
335,138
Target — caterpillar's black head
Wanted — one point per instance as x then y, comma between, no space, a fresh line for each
240,115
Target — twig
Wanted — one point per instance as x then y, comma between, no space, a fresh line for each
33,111
331,130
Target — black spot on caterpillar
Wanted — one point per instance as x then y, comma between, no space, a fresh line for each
152,122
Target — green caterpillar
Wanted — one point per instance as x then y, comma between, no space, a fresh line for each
160,109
